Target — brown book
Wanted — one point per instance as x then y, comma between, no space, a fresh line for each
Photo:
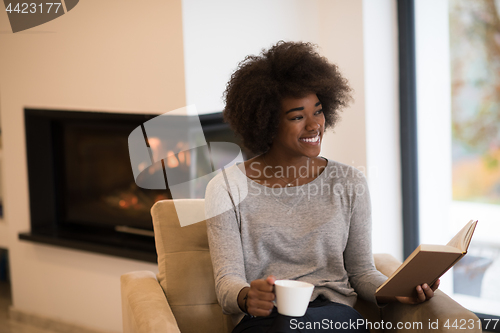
427,264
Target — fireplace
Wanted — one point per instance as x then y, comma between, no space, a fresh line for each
82,189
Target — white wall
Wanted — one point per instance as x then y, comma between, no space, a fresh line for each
382,124
434,126
103,55
218,34
342,43
433,119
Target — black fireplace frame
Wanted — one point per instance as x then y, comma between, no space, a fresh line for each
47,225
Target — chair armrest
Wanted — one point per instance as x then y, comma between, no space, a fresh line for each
440,309
144,306
386,263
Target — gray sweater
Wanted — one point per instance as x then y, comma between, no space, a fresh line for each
319,232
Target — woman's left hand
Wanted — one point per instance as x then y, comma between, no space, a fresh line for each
424,293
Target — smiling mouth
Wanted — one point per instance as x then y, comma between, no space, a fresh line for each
314,139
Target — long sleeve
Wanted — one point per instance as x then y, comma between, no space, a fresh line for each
358,257
318,233
225,246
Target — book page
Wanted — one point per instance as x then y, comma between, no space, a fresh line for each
462,238
439,248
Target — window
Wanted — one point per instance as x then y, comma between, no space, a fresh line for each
475,147
457,56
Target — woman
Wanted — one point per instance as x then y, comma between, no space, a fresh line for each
289,213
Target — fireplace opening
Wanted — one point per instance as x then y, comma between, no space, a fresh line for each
97,180
82,189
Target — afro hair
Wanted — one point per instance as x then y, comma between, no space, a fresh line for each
288,69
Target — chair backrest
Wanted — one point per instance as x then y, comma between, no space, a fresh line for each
185,269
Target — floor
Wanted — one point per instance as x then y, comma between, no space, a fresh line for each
7,326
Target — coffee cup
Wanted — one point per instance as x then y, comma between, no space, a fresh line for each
292,297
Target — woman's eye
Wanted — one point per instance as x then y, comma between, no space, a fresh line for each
300,117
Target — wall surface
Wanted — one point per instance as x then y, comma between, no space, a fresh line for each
102,55
124,56
382,124
434,125
218,34
341,37
434,119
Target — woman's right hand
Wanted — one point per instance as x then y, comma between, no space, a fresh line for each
260,297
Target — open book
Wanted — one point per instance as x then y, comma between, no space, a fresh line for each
427,264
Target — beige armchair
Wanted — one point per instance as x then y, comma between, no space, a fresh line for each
181,298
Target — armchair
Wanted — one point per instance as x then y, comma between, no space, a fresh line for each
181,298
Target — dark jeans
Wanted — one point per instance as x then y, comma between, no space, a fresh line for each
321,316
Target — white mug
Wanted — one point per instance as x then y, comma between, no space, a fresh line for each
292,297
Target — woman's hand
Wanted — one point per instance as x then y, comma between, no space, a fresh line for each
259,297
424,293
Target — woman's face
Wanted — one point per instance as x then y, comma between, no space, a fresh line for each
301,126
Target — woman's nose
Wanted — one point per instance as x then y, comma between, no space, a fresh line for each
312,125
